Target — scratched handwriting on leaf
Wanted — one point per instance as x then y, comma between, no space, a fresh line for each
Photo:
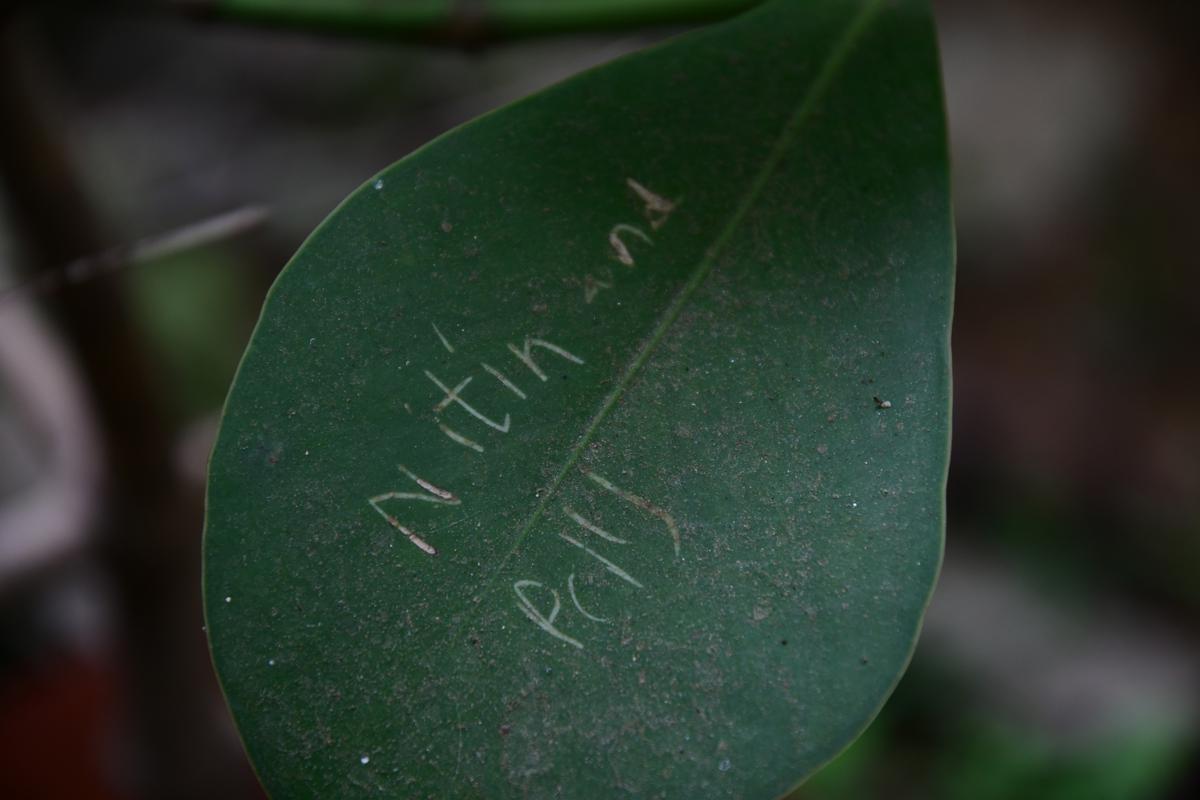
531,355
546,621
657,209
432,494
772,537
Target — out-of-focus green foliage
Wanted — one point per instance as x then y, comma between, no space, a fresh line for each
193,308
960,755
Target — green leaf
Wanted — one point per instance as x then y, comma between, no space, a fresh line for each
598,448
459,20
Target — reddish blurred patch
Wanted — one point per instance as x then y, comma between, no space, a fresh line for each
56,732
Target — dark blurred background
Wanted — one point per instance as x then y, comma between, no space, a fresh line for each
156,171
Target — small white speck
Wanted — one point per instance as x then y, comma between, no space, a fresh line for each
724,765
305,452
854,505
365,760
270,662
228,599
378,185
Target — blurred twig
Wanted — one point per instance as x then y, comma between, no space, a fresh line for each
148,526
180,240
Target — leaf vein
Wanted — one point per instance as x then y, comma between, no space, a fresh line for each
784,141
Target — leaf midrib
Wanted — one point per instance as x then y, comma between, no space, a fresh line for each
787,136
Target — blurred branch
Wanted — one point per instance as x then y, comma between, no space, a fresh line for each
180,240
464,23
148,527
49,520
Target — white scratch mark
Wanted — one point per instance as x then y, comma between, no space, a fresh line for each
429,487
641,503
458,720
526,355
432,494
395,523
613,568
592,287
619,247
575,600
446,344
655,204
452,397
543,622
498,375
591,526
459,438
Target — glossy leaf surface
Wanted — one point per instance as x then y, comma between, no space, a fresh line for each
598,448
